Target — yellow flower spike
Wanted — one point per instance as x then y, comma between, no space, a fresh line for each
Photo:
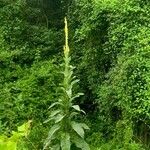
66,47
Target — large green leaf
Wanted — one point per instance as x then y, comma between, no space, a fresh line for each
78,128
80,143
52,131
65,141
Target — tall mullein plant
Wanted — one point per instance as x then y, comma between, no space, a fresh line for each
66,131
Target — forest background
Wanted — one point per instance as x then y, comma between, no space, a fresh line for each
110,47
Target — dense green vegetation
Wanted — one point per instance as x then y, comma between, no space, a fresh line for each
11,143
109,44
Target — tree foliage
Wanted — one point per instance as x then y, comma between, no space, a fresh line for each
114,63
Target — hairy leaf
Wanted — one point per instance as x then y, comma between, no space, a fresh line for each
78,128
52,131
65,141
59,118
80,143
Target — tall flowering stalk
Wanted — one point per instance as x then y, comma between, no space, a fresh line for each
66,130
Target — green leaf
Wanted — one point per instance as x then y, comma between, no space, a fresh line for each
16,136
63,89
47,120
52,131
24,129
54,113
83,111
76,107
65,141
52,116
70,75
80,143
11,145
73,114
3,138
84,126
58,118
3,146
76,96
3,142
54,104
69,92
74,82
78,128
